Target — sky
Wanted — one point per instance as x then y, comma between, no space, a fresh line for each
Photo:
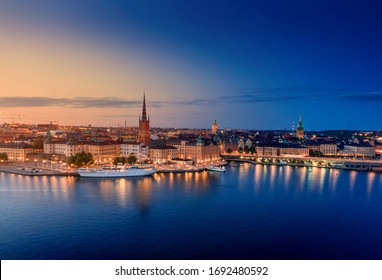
248,64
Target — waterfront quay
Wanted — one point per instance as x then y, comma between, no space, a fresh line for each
29,169
320,162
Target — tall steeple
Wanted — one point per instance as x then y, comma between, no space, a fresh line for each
144,117
144,125
300,129
214,128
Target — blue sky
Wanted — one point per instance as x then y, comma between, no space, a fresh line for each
247,64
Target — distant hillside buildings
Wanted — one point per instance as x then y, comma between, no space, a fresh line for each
198,146
195,151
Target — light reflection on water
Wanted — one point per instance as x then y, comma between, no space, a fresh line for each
243,212
261,178
370,182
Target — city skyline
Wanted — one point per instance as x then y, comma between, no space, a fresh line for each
247,65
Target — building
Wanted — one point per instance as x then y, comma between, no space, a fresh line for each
361,150
140,151
328,149
293,150
144,126
103,151
378,148
287,150
163,154
240,144
267,151
198,152
16,151
214,128
248,143
63,147
300,129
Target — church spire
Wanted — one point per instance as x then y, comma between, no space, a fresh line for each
300,127
144,125
144,117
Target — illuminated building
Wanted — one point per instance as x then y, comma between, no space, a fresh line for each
163,154
140,151
16,151
198,152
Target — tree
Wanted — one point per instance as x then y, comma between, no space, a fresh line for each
132,159
38,144
252,150
3,156
81,159
117,160
229,150
246,149
240,150
315,153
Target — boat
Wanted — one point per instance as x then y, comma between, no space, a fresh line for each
216,168
116,172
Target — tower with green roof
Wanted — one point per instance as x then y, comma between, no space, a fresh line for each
200,141
300,129
214,128
48,143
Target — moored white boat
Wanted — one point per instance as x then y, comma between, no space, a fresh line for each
115,172
216,168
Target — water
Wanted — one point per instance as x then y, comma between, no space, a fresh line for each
248,212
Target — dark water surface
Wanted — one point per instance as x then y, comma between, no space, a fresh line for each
248,212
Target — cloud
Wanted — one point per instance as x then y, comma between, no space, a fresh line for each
237,96
275,94
374,96
76,102
118,116
93,102
285,94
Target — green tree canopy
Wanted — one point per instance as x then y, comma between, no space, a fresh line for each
117,160
252,149
38,144
132,159
3,156
81,159
246,149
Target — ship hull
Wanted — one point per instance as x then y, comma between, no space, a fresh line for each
132,172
